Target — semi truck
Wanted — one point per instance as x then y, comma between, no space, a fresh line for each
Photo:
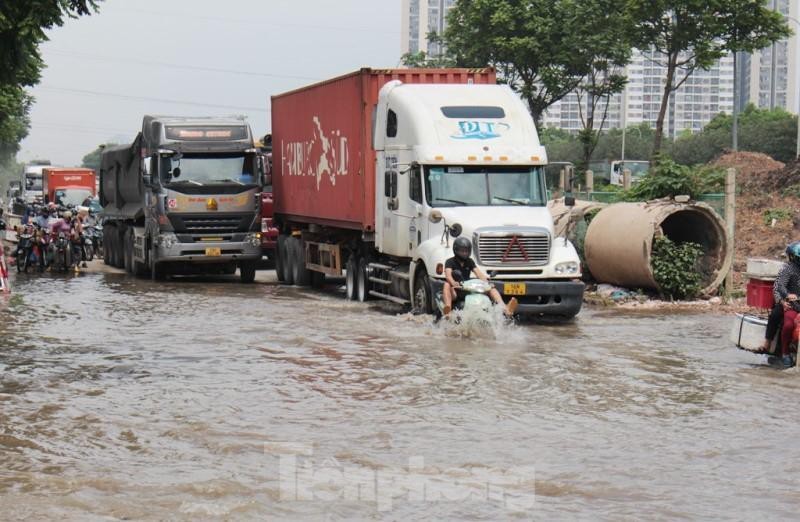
68,186
32,180
183,198
375,174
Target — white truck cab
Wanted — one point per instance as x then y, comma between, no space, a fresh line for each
466,160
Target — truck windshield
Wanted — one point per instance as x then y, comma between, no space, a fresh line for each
484,186
206,169
72,197
33,182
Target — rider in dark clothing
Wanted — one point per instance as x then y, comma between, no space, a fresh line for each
785,293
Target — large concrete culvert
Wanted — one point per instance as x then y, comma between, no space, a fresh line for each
619,242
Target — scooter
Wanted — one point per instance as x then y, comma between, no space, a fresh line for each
748,333
24,251
62,253
475,309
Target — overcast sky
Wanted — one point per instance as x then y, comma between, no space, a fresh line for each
194,57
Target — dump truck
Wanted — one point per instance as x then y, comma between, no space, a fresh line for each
183,198
375,174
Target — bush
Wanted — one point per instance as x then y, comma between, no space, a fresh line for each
668,179
676,267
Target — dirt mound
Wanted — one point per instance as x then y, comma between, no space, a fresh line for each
785,179
767,215
747,164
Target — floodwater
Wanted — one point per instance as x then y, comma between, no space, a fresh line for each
122,399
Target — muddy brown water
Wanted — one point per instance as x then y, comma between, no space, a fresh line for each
123,399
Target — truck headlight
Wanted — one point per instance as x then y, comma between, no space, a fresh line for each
168,239
570,267
254,238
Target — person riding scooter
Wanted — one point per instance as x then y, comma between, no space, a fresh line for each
785,292
460,268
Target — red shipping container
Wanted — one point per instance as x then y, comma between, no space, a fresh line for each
759,293
323,160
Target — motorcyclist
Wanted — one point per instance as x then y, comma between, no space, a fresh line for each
785,292
460,268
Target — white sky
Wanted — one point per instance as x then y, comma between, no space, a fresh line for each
104,72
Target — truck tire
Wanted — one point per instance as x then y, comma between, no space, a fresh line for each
278,258
106,245
156,269
119,248
300,274
422,302
127,249
139,267
351,281
362,290
247,271
287,260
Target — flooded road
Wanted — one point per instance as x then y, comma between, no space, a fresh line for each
126,399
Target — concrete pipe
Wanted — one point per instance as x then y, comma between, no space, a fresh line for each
619,241
565,218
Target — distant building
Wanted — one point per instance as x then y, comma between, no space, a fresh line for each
421,17
704,95
771,77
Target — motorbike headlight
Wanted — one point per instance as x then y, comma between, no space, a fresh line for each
570,267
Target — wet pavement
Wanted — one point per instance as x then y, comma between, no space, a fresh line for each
124,399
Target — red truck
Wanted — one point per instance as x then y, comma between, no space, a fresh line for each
68,186
376,173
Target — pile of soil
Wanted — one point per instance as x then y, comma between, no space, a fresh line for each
763,184
747,164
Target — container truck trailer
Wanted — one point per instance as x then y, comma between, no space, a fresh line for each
68,186
376,172
183,198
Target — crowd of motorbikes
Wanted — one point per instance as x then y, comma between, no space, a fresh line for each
56,239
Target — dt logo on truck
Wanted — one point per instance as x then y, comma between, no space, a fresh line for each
211,204
480,130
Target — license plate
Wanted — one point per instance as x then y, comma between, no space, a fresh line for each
213,252
514,288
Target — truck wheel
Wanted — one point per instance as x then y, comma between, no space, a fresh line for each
106,252
156,270
300,274
287,261
277,257
422,293
362,292
117,246
247,271
127,245
351,267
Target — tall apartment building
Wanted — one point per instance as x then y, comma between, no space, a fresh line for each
772,75
421,17
704,95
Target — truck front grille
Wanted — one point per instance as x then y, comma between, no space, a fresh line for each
211,224
514,249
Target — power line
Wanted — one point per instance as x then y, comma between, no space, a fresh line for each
150,99
261,22
180,66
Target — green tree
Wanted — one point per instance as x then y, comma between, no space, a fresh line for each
92,160
693,34
23,26
542,48
772,132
